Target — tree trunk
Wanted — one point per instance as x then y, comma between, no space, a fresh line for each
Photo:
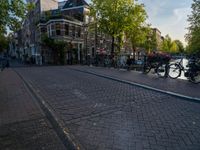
96,39
134,50
113,46
120,44
112,51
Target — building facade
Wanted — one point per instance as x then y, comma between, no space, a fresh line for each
67,21
159,38
58,21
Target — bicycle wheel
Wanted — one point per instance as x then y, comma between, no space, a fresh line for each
161,70
147,68
195,79
174,71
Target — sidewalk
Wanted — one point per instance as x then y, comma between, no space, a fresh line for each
177,86
15,63
23,125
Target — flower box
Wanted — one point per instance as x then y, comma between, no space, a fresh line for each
158,57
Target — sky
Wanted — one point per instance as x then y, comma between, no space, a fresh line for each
169,16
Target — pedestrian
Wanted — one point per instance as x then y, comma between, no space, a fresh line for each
128,63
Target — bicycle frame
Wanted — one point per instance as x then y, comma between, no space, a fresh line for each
180,64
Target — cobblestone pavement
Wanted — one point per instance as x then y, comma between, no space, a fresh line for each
103,114
178,86
23,126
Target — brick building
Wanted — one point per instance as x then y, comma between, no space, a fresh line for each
159,38
67,21
61,21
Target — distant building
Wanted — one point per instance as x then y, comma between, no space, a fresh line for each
159,38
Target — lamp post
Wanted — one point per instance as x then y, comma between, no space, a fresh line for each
101,42
149,43
86,44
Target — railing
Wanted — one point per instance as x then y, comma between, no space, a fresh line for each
137,65
118,63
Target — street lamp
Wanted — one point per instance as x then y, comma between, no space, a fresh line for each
86,44
148,41
101,43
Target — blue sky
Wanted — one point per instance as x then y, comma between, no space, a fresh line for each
169,16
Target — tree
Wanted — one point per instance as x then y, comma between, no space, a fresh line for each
3,42
193,35
112,17
137,30
174,48
169,46
58,49
61,48
180,46
151,41
167,43
12,13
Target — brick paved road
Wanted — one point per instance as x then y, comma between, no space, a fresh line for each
105,114
23,126
178,86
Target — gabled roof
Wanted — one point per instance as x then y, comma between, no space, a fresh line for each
74,3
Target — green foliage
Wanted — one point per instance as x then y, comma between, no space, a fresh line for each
12,13
61,48
193,36
121,17
58,48
151,41
137,30
3,43
181,48
112,17
169,46
174,48
46,41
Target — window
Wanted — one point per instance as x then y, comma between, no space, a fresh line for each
78,32
53,33
66,29
73,31
52,27
87,19
48,30
43,29
58,32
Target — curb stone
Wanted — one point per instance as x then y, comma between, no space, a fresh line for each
185,97
63,133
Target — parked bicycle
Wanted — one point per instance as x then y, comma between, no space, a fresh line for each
192,73
107,62
158,62
159,68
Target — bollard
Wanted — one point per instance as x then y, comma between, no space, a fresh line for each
144,64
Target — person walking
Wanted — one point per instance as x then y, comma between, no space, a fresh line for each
128,63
